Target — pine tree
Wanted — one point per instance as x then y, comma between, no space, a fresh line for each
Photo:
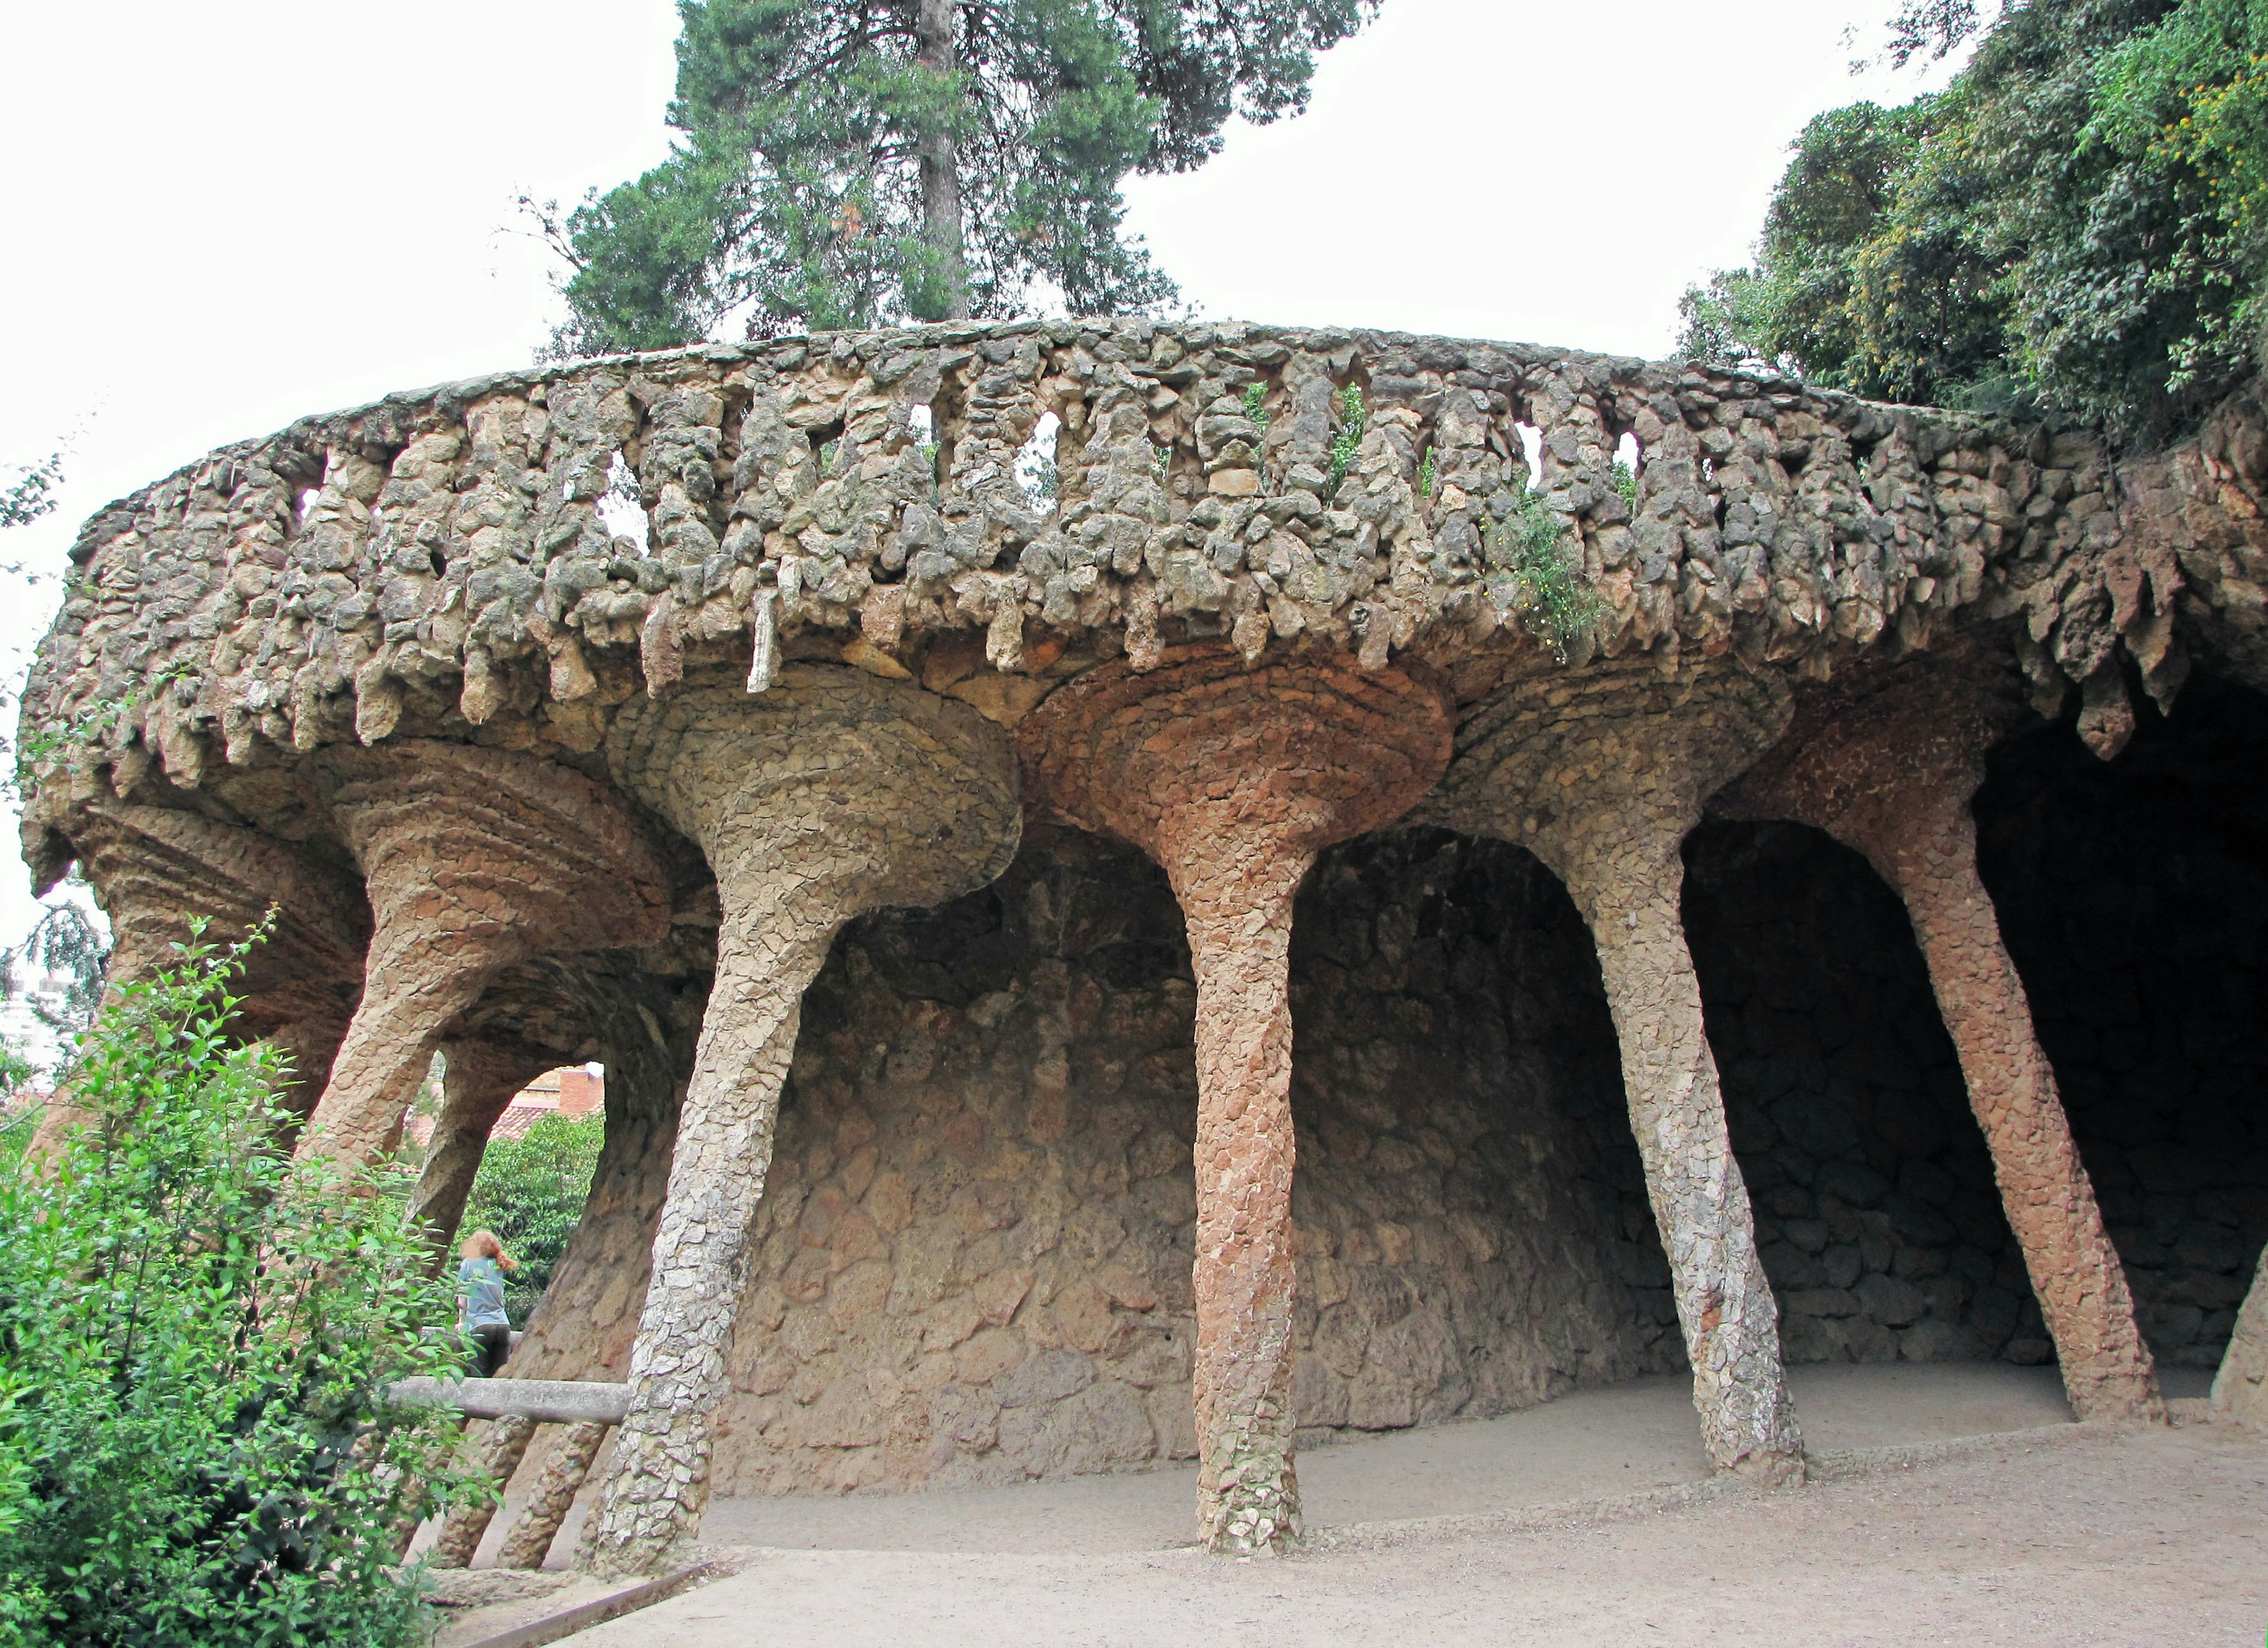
853,162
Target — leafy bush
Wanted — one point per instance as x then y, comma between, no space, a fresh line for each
1346,446
195,1334
1548,592
2079,221
530,1192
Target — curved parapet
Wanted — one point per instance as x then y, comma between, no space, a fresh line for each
449,559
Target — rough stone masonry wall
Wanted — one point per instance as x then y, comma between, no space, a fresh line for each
2134,896
972,1258
1877,1217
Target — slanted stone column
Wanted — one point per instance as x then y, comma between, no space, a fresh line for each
1601,776
473,859
529,1540
157,871
494,1454
477,1082
2241,1388
1886,764
1232,780
586,1322
831,794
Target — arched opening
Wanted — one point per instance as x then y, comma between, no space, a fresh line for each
1877,1217
1474,1233
2133,898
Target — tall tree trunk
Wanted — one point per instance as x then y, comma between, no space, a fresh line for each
934,31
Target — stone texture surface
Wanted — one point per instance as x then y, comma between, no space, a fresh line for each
832,793
2240,1387
2133,897
493,1451
472,859
437,563
1232,780
1877,1217
400,646
973,1263
1887,760
1601,776
564,1466
158,870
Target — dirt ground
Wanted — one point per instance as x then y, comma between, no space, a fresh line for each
1953,1504
2146,1540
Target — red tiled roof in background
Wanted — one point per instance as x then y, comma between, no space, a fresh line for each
572,1090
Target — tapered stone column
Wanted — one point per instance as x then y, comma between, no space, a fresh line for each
1886,764
1601,776
2241,1388
494,1454
157,872
473,859
529,1540
480,1077
586,1322
1232,780
833,793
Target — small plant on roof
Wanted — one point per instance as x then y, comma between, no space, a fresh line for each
1354,419
1626,483
1550,594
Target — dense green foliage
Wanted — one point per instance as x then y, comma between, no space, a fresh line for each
530,1192
194,1334
852,162
2078,222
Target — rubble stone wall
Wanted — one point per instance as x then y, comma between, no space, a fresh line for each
439,562
974,1257
1877,1217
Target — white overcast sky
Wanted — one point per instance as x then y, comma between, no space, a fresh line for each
220,217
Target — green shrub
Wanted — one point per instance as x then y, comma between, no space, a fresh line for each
195,1334
1550,594
1346,446
530,1192
1625,480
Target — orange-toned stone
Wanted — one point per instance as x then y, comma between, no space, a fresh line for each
157,871
1601,774
1886,761
473,859
1232,780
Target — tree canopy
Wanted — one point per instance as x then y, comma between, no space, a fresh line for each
853,162
2079,222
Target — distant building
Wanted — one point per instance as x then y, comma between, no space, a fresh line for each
573,1090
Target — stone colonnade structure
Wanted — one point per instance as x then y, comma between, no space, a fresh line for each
848,713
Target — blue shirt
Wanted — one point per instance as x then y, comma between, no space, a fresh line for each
480,1288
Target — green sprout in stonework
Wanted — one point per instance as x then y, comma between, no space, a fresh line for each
1428,473
1550,595
1255,405
1626,483
1353,421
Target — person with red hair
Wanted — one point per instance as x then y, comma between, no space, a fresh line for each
480,1295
